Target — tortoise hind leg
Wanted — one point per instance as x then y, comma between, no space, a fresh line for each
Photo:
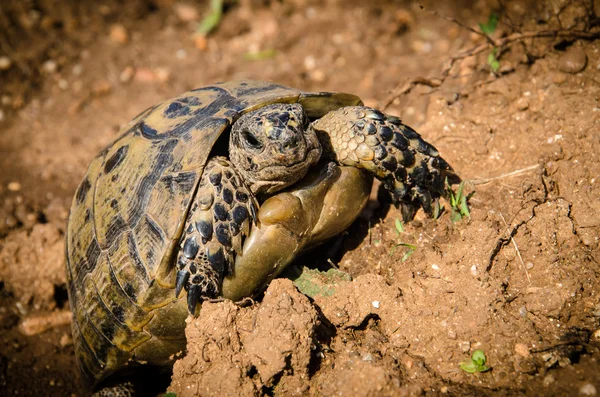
217,224
411,169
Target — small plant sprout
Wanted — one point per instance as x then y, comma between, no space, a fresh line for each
411,247
212,19
476,363
488,29
458,202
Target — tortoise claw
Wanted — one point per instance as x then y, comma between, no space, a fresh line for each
182,278
194,294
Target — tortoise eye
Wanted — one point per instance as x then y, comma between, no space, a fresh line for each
251,141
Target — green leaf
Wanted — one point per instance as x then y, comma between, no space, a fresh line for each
490,26
407,255
478,357
399,226
260,55
212,19
483,368
468,366
170,394
464,209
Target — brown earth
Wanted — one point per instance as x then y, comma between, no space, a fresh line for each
519,279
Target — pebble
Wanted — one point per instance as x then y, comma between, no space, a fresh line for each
144,75
548,380
101,87
522,350
49,66
465,346
14,186
162,74
186,12
529,265
1,115
572,61
587,390
127,74
77,69
118,34
5,63
375,304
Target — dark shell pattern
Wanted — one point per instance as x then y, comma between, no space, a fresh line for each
127,218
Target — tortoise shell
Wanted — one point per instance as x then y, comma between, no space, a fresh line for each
127,217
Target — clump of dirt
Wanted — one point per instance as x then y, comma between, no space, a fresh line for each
253,348
516,115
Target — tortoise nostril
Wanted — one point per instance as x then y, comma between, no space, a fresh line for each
251,140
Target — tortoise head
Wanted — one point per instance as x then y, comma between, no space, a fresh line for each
272,147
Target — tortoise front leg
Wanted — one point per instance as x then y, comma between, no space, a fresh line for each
410,168
320,206
217,224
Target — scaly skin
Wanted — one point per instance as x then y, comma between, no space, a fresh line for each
218,222
410,168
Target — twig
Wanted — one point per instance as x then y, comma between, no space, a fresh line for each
456,21
482,181
407,86
517,249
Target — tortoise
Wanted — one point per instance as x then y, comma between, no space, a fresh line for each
173,204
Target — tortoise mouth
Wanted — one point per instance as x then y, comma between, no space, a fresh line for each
275,176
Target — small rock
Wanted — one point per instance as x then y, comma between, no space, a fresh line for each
118,34
181,54
49,66
162,74
1,115
318,76
522,350
77,69
587,390
548,380
572,61
310,63
375,304
529,265
186,12
63,84
127,74
14,186
65,340
101,87
474,271
522,104
523,311
144,75
5,63
465,346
